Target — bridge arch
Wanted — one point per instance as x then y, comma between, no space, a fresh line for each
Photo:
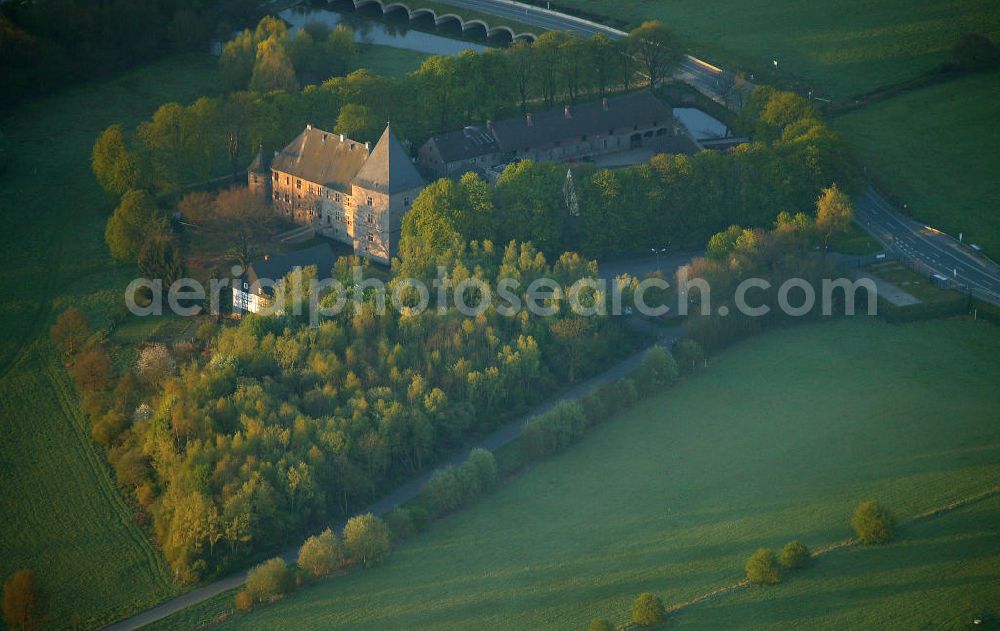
446,21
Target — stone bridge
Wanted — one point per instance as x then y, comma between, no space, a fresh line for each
471,27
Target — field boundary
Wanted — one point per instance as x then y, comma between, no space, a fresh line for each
937,511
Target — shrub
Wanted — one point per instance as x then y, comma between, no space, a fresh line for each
70,331
269,579
421,519
243,600
443,493
600,625
872,523
400,524
367,540
659,368
483,465
794,555
21,601
762,568
690,355
648,611
321,554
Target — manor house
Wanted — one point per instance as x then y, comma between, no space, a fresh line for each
344,189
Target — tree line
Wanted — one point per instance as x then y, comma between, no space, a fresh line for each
212,137
673,199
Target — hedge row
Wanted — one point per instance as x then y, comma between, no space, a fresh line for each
561,426
453,487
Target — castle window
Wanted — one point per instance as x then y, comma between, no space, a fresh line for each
288,180
371,238
276,195
286,198
370,218
370,201
337,197
275,176
298,183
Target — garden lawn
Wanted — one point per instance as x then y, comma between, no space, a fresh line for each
938,149
842,47
779,439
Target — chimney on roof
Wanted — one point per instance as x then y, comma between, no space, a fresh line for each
309,126
604,103
368,146
531,121
566,112
341,137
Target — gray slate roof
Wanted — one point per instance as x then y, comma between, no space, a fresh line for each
465,144
624,112
321,157
388,168
277,267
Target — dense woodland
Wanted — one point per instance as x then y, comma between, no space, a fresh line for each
271,427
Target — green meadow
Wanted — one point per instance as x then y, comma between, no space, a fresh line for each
778,439
61,513
841,47
938,149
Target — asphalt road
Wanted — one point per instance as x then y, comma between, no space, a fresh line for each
934,252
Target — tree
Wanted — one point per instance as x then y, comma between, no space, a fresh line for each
92,370
762,568
114,165
603,60
21,602
648,611
973,51
70,331
358,122
237,61
834,212
367,540
598,624
268,579
136,220
873,524
656,49
235,222
160,258
155,364
660,366
273,68
794,555
439,77
321,554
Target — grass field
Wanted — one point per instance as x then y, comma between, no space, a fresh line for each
938,149
60,511
779,439
845,47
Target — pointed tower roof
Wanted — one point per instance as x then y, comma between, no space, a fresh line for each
260,164
388,168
